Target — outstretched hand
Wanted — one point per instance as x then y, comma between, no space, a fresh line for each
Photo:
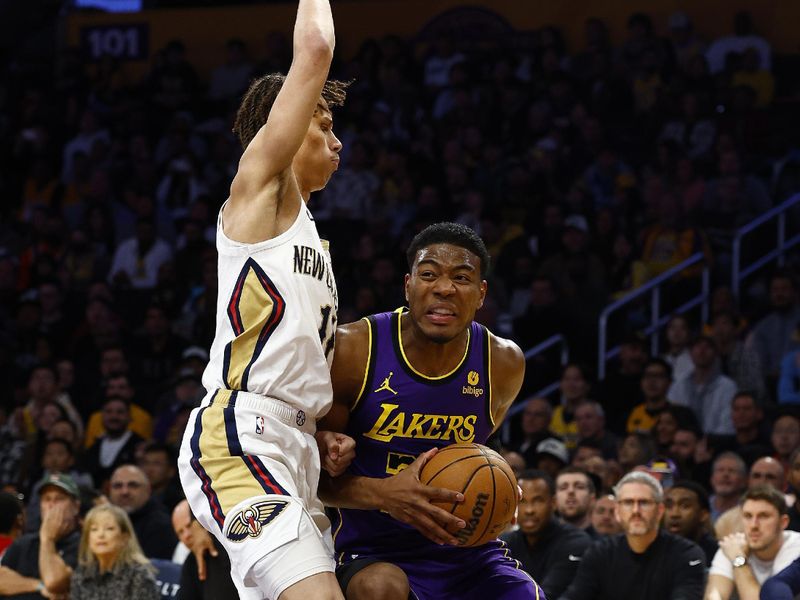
336,451
408,500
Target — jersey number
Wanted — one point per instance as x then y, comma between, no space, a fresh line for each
327,330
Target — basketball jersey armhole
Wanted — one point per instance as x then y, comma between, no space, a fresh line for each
369,369
487,364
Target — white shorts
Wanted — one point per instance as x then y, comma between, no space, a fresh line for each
249,466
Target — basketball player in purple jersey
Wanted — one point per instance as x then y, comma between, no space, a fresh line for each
405,384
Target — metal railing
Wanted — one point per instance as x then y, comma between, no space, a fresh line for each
557,339
738,273
657,320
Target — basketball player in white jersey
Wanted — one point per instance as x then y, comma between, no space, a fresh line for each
249,462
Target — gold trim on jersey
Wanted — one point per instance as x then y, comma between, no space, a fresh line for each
366,366
400,312
489,393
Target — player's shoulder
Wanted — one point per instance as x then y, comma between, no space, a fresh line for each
353,341
503,349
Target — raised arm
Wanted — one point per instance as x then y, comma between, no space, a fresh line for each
263,168
508,372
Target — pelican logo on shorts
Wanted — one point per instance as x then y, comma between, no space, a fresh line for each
300,419
259,425
250,522
471,390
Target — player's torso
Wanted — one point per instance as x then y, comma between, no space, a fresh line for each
276,318
402,413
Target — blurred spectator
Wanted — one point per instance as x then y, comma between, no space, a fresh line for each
678,335
575,497
785,438
515,460
645,562
575,386
173,413
43,389
688,514
549,550
590,419
763,549
551,456
182,526
130,490
40,564
622,387
137,260
747,417
655,381
773,337
668,422
744,37
118,386
636,449
793,477
604,522
111,563
737,361
752,75
12,520
706,390
789,379
58,457
159,353
158,464
117,446
686,44
728,481
536,417
692,131
230,80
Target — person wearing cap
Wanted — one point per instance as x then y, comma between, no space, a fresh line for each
644,562
551,456
40,564
688,514
548,549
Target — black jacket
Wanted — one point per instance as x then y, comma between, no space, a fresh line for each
672,568
555,557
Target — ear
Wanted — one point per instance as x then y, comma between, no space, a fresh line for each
406,285
784,521
484,286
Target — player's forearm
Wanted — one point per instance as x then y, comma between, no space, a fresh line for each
351,491
313,30
12,583
55,573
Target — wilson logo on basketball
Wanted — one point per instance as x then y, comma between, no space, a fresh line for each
463,535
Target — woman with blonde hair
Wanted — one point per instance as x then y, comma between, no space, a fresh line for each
110,561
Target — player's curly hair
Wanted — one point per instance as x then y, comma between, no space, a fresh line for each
260,96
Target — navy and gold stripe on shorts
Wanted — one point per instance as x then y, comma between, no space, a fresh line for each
228,475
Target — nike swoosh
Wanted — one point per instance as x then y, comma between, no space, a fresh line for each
694,563
574,558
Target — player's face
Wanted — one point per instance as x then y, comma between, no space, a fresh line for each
763,524
444,290
637,509
318,156
536,507
683,514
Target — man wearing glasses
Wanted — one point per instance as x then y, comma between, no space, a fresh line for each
642,562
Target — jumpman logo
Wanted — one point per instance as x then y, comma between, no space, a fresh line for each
385,385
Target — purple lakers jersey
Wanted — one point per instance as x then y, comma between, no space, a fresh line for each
399,414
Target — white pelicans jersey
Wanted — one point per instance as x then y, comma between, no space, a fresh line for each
276,318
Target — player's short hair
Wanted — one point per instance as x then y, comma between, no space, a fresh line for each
260,96
661,363
538,474
152,447
769,494
454,234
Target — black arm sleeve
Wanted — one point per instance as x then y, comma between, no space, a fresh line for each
562,569
689,574
587,580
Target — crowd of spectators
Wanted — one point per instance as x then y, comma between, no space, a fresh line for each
586,170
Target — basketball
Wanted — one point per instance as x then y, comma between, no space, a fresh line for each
488,485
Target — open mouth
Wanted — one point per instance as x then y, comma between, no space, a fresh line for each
441,315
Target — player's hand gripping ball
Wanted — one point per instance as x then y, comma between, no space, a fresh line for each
488,484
